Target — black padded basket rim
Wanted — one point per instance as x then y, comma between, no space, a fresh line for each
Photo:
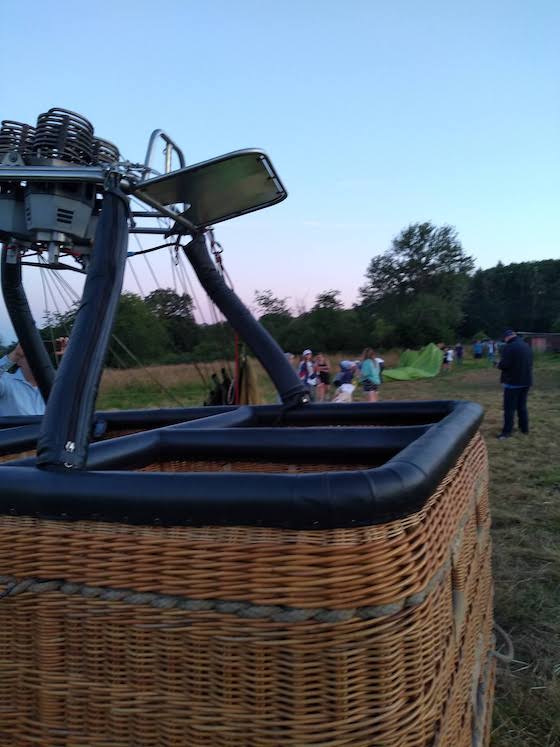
321,500
19,432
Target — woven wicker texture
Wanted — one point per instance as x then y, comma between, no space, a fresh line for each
16,455
114,635
240,465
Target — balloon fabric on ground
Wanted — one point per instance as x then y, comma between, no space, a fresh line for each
417,364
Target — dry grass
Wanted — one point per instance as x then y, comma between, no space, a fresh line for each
525,494
170,376
157,386
183,384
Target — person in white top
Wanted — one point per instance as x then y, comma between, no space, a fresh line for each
307,372
19,394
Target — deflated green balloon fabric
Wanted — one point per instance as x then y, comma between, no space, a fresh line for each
416,364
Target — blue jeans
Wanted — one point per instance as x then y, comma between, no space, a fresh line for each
515,400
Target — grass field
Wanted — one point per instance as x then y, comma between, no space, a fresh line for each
525,496
525,499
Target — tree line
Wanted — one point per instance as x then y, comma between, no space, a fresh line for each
424,288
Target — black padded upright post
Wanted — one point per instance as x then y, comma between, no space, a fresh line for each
22,321
66,428
264,346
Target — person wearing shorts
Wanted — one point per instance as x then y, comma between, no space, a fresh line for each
370,379
323,370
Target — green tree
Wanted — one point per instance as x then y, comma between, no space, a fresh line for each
419,283
326,322
422,259
136,328
58,324
274,315
176,313
524,295
427,318
383,334
140,330
328,300
269,304
167,304
215,342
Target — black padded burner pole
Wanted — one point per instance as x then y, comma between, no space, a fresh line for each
263,345
22,321
66,427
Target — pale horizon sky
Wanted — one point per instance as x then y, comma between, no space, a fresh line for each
375,115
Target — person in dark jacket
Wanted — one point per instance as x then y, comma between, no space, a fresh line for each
516,365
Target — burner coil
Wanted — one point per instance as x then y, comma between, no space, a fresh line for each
65,136
104,151
16,136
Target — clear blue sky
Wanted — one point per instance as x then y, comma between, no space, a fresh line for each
375,115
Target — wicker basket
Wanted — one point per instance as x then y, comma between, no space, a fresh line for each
116,635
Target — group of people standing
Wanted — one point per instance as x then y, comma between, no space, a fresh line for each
19,394
480,349
488,348
315,373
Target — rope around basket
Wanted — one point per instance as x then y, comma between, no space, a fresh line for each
276,613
